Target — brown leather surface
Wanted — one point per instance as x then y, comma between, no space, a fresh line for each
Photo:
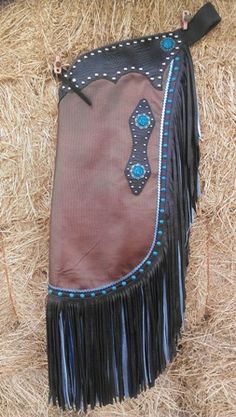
99,230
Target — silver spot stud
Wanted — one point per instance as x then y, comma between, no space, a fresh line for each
74,80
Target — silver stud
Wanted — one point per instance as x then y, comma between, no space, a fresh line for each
99,51
89,78
132,67
69,88
96,74
85,56
159,76
172,53
74,66
125,68
92,53
167,57
147,73
104,75
142,40
113,47
179,41
63,86
149,39
161,69
141,68
158,85
78,60
152,78
106,49
113,78
175,36
65,75
76,85
71,72
118,72
177,47
74,80
135,41
127,43
156,37
82,82
163,36
120,45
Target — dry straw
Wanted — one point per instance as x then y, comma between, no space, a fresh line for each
201,382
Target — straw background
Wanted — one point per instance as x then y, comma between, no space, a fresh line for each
201,382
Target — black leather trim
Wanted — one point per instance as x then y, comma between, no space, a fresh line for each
143,55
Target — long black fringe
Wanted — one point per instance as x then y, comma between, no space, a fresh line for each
111,347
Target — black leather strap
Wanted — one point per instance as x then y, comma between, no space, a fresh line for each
202,22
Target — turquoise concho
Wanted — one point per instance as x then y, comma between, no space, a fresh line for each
167,44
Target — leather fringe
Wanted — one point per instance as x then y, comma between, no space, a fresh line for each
105,349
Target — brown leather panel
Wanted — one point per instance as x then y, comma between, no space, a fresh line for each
99,229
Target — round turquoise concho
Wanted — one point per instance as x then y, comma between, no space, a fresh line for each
142,121
137,171
167,44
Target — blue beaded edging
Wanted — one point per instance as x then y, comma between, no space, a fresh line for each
161,188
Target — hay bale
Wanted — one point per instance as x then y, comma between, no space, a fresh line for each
201,380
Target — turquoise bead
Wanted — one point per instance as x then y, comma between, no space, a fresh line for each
59,294
71,295
104,292
113,288
82,295
141,270
133,277
50,291
124,283
158,243
93,294
155,253
149,262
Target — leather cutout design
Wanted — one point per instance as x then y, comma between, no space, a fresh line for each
149,56
138,170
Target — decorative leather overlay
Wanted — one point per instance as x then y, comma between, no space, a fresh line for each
149,55
138,170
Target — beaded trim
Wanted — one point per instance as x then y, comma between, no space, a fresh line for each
153,253
155,75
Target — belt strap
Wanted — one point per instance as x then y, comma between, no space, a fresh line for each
201,23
